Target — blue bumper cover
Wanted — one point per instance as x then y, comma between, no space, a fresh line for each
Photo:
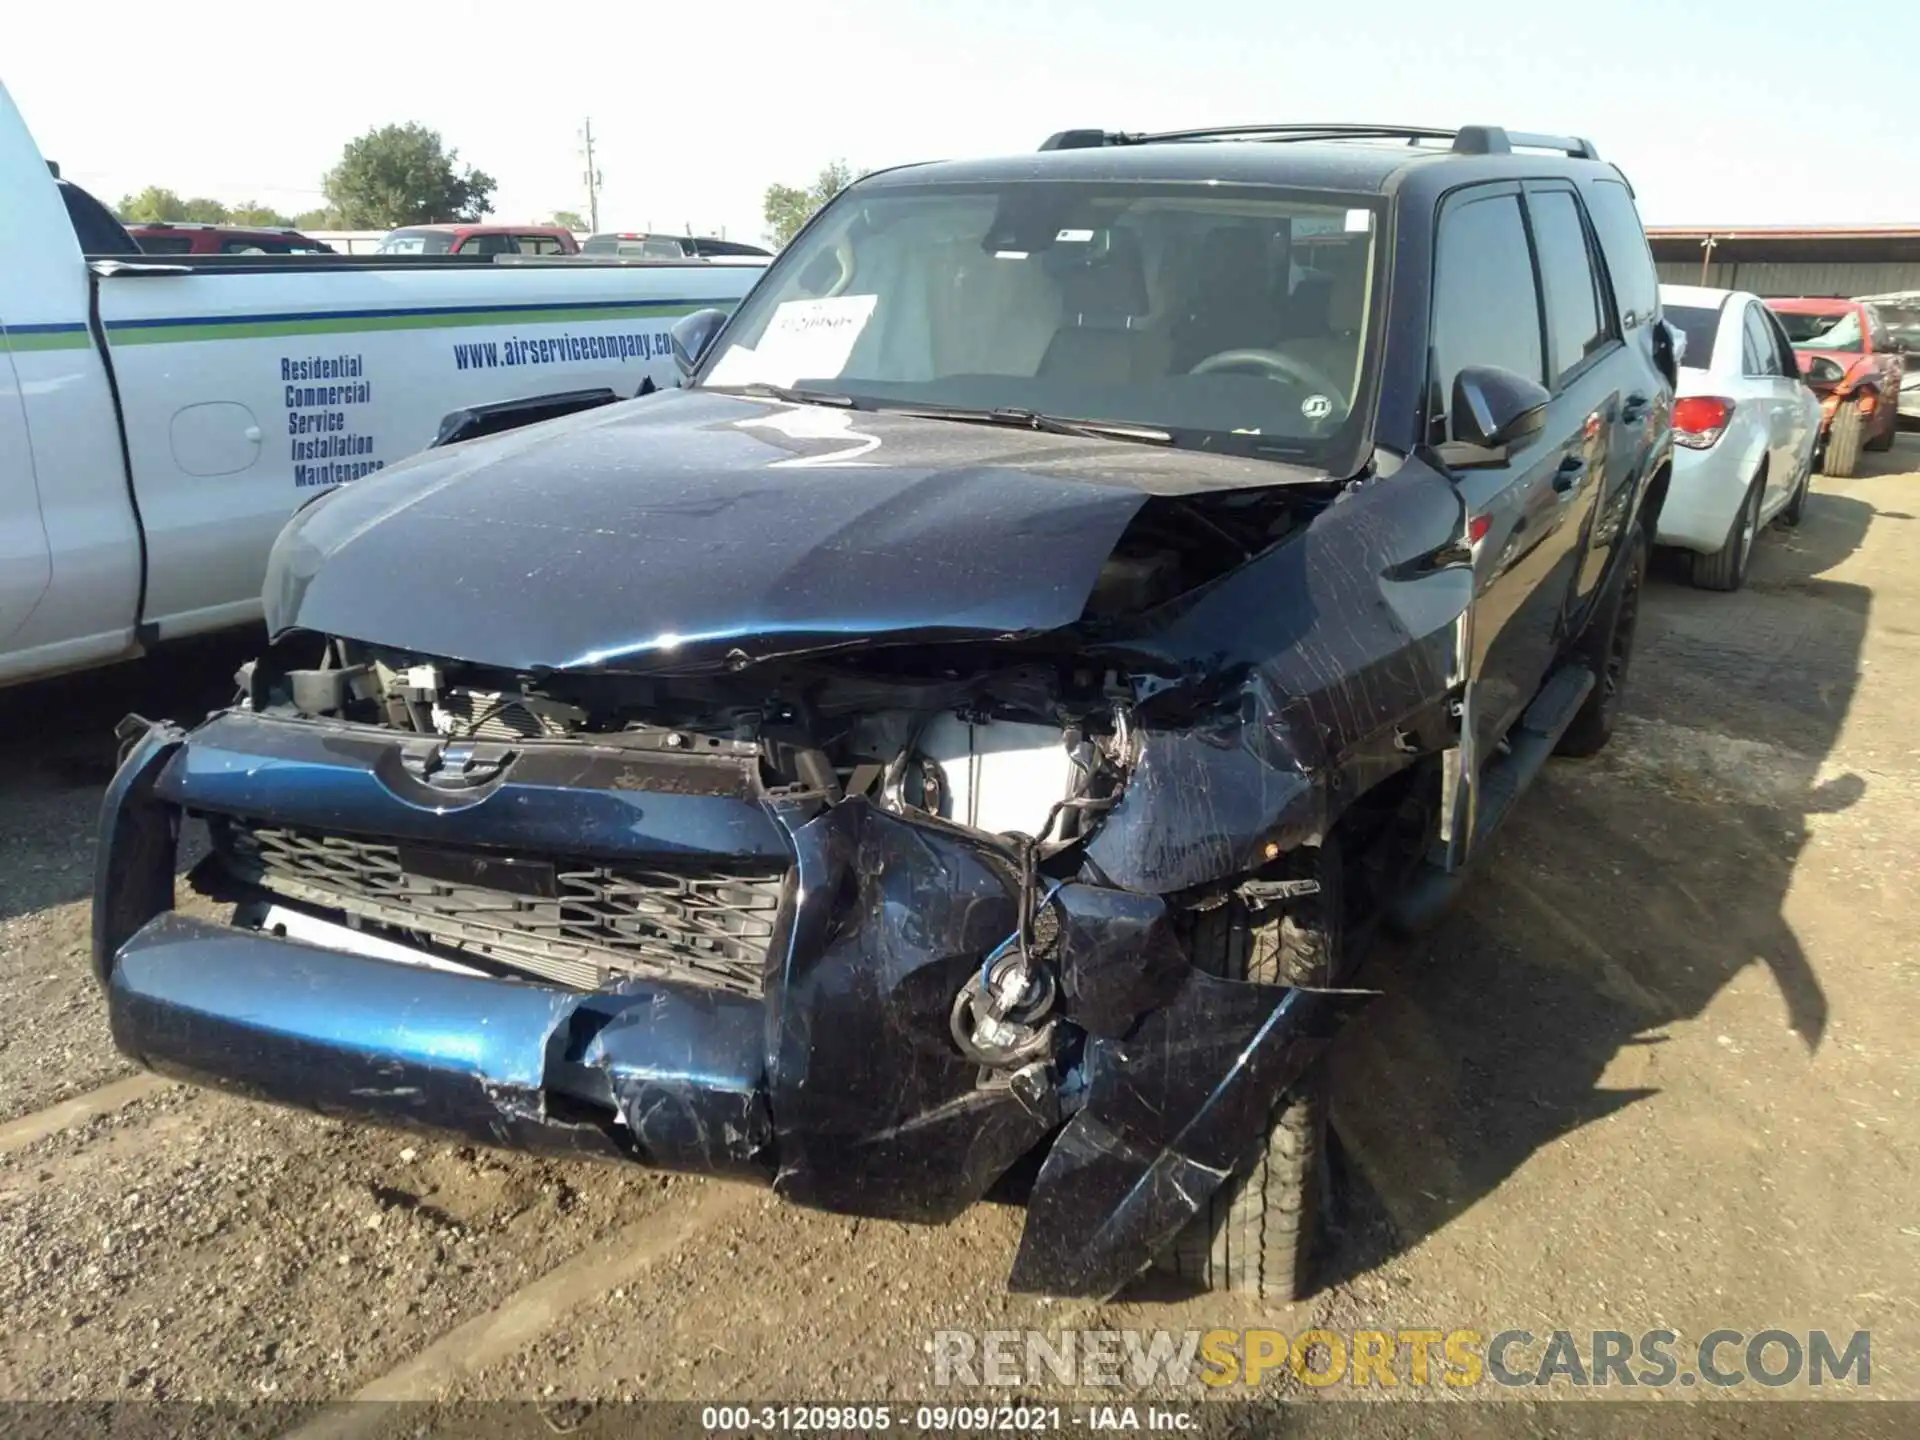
839,1086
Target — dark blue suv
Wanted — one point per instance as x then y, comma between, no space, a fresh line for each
961,738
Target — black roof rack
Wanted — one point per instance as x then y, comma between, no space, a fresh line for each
1467,140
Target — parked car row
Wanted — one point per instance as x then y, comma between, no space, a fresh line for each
187,238
162,415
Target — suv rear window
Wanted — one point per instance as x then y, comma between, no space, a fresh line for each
1623,244
1700,325
1574,326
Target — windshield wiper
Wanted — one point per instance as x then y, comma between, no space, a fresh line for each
786,393
1034,420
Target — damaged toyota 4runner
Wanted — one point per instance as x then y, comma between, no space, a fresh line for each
959,741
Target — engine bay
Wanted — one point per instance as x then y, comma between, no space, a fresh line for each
1033,750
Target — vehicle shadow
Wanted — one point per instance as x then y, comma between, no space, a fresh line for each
60,747
1624,894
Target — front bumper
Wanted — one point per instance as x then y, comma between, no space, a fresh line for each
839,1086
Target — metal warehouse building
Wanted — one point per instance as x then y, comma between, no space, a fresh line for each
1790,259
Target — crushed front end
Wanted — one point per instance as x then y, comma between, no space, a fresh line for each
885,919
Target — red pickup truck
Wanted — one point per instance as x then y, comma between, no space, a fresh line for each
180,237
1851,361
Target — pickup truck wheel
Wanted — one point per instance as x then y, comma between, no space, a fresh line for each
1608,648
1726,568
1256,1236
1843,443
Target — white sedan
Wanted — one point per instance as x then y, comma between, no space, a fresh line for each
1744,430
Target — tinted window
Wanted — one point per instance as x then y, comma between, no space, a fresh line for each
1760,355
1623,243
415,242
539,245
1574,327
726,247
1782,347
93,224
1699,325
1486,310
165,244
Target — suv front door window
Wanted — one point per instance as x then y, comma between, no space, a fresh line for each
1487,312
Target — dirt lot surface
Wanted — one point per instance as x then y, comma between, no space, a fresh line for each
1659,1070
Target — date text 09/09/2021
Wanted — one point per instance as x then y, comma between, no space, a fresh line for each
939,1419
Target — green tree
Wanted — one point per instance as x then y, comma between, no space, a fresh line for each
157,203
786,208
403,175
252,212
570,219
317,220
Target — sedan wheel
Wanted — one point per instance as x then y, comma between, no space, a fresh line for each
1726,568
1796,509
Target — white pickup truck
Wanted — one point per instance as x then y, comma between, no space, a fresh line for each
161,419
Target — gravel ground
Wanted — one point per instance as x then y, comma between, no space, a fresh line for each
1657,1070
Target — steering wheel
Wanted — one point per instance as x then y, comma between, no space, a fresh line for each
1277,365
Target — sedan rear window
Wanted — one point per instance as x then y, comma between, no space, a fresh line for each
1699,324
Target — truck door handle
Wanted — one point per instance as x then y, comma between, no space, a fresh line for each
1635,409
1572,470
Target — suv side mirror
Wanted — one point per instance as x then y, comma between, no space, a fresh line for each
1495,409
692,334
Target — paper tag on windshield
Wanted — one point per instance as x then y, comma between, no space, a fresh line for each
811,338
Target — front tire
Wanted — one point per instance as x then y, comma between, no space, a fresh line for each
1726,568
1256,1236
1843,443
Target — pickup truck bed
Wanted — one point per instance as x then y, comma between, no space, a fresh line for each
161,418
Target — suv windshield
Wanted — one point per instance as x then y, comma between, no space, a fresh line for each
1831,330
1230,318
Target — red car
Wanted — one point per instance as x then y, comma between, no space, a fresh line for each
480,240
179,237
1849,358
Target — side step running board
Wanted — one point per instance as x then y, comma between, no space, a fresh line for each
1432,888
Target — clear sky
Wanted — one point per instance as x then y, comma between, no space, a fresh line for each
1763,111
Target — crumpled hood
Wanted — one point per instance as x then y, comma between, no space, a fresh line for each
692,523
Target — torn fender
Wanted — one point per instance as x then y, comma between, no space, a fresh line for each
1171,1110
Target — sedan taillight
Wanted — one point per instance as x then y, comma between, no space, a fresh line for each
1700,420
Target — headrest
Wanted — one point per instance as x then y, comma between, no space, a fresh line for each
1232,263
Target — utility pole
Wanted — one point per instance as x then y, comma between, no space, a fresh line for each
592,178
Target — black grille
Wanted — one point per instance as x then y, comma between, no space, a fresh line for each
698,923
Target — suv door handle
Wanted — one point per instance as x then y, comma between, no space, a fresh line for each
1572,471
1634,409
